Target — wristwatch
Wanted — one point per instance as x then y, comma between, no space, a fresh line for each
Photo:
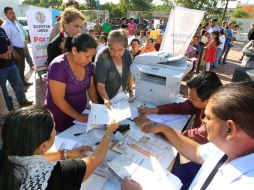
65,154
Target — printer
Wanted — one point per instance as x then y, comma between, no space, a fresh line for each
158,76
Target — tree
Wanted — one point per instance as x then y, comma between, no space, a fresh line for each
114,9
240,13
210,6
56,4
32,2
134,5
91,4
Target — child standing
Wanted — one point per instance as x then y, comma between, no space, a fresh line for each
210,50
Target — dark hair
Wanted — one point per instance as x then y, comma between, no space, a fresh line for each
222,32
235,101
1,21
123,18
91,30
81,42
251,34
23,131
217,37
104,33
205,84
73,4
151,39
135,40
104,37
6,9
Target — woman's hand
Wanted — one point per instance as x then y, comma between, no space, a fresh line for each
112,126
131,97
129,184
78,152
108,104
83,118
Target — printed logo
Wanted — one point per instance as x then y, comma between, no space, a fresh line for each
40,17
187,22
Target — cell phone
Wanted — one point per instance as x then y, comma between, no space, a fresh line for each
122,128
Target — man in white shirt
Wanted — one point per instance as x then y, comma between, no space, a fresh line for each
16,40
229,123
214,26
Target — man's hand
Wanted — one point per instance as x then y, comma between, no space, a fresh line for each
142,121
146,110
152,129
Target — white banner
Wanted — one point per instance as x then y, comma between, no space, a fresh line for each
181,27
40,25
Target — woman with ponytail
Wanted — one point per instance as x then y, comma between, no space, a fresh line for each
70,76
71,24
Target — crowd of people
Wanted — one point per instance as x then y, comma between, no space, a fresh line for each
95,65
211,44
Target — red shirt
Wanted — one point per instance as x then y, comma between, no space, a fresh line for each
198,132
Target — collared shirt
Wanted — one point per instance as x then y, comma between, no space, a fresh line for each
13,34
22,30
237,174
198,131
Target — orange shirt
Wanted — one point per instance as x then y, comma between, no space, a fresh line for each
146,49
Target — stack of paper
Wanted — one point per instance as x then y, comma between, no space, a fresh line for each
101,115
147,171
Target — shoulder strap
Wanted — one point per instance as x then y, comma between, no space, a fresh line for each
214,171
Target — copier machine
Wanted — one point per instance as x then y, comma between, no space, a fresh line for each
158,76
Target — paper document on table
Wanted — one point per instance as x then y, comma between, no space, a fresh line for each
171,120
121,97
94,182
100,114
152,145
147,171
63,143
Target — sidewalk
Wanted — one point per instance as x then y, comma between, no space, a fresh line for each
36,92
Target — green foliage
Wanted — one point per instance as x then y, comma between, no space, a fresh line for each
84,6
135,5
114,10
210,6
91,4
239,23
239,13
55,4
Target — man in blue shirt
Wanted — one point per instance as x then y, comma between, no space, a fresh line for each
229,41
9,71
16,40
